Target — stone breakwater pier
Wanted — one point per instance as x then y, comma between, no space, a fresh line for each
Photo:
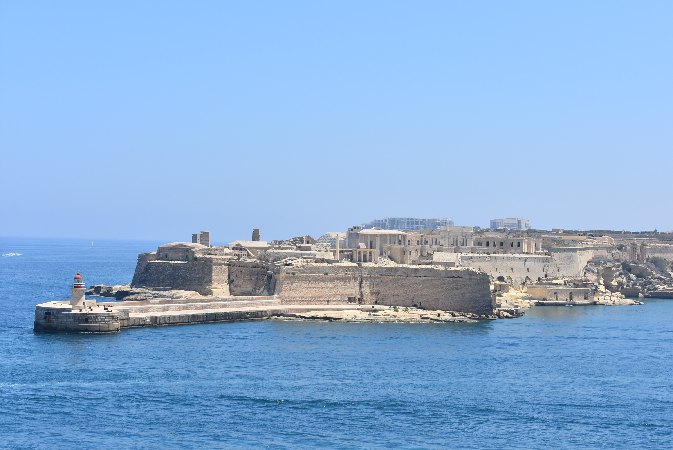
110,317
179,285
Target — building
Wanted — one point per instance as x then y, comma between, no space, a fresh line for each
408,223
248,249
492,243
510,223
554,294
202,238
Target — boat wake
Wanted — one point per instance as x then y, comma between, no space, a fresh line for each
7,255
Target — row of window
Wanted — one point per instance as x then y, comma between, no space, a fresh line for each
502,244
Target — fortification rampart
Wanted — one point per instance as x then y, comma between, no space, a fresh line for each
250,278
203,275
318,284
424,287
428,288
183,266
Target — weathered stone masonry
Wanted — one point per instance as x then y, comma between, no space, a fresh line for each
203,275
188,266
424,287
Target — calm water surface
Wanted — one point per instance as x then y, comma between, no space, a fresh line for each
592,377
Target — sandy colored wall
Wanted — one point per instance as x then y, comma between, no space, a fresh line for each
429,288
521,268
425,287
250,278
318,284
518,268
190,276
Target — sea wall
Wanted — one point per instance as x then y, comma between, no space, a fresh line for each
424,287
202,275
428,288
318,284
51,318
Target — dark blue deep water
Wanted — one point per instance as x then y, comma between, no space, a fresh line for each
593,377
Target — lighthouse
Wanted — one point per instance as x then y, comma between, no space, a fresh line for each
78,289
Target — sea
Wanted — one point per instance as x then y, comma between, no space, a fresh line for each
558,377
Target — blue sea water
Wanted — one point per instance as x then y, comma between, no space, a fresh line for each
591,377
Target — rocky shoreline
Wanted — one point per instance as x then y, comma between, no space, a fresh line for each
390,315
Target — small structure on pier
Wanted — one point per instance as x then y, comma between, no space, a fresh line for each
77,315
77,292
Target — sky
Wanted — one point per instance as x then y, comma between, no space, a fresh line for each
154,120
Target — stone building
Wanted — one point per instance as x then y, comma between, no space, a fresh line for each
510,223
409,247
561,294
202,238
505,243
408,223
375,239
248,249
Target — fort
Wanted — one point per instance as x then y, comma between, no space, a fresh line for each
185,283
466,271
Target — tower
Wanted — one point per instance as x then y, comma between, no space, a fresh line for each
77,292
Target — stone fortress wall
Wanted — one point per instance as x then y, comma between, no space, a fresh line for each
423,287
250,278
563,262
179,267
429,288
182,267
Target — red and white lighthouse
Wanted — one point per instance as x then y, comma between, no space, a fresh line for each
78,289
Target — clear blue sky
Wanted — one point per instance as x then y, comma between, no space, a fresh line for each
157,119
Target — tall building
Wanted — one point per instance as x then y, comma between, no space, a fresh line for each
510,223
408,223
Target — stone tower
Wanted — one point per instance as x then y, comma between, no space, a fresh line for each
255,234
77,292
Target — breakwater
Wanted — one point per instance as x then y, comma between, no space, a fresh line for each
110,317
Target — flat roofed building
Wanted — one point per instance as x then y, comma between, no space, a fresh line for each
409,223
510,223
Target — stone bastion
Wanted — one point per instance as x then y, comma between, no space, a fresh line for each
450,289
